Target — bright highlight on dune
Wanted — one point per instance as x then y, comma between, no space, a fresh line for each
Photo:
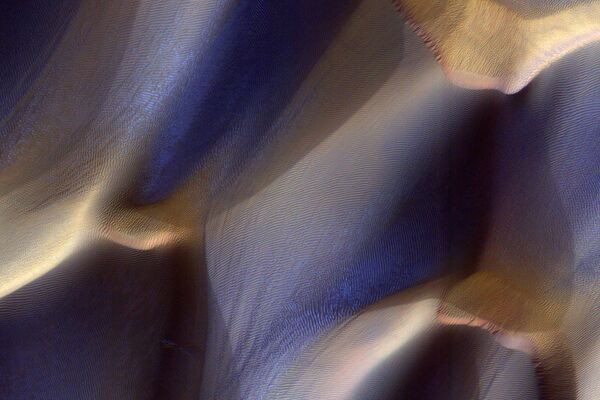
496,44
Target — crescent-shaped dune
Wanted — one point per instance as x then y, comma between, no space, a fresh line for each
501,44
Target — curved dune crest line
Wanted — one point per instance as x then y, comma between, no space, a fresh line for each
148,227
136,231
492,44
520,319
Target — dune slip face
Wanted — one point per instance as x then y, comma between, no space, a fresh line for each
501,44
295,200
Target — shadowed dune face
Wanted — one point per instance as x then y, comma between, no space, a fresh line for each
193,208
105,324
518,317
501,44
30,31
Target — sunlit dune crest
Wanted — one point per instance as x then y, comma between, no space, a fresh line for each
503,45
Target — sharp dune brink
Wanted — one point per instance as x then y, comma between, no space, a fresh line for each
503,45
